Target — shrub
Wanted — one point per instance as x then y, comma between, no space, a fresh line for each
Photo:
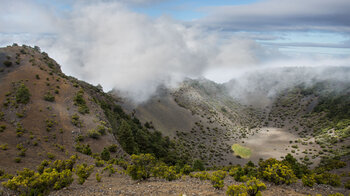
83,171
101,129
22,94
75,120
279,174
328,164
18,159
94,134
105,155
163,171
347,184
252,187
99,163
7,63
98,177
308,180
198,165
61,165
201,175
186,169
49,97
241,174
50,155
2,128
4,146
327,178
217,179
122,163
113,148
237,190
141,166
298,168
82,148
28,182
111,170
80,102
336,194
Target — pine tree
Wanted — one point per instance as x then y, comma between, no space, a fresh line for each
126,138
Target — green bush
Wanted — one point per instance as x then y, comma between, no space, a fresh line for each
101,129
163,171
94,134
198,165
99,163
61,165
105,155
336,194
82,148
217,179
18,159
22,94
327,178
80,102
122,163
111,170
279,174
83,171
113,148
328,164
29,182
98,177
241,174
298,169
201,175
141,166
50,155
7,63
308,180
2,128
186,169
347,184
75,120
237,190
252,187
49,97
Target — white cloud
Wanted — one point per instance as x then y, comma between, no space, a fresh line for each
106,43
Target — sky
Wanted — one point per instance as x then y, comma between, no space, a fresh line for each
136,45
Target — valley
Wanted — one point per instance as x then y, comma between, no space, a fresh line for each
194,139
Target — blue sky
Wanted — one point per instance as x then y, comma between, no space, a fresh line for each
185,10
310,41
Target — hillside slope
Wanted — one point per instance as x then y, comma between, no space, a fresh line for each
43,122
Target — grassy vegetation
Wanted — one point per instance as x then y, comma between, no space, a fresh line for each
241,151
